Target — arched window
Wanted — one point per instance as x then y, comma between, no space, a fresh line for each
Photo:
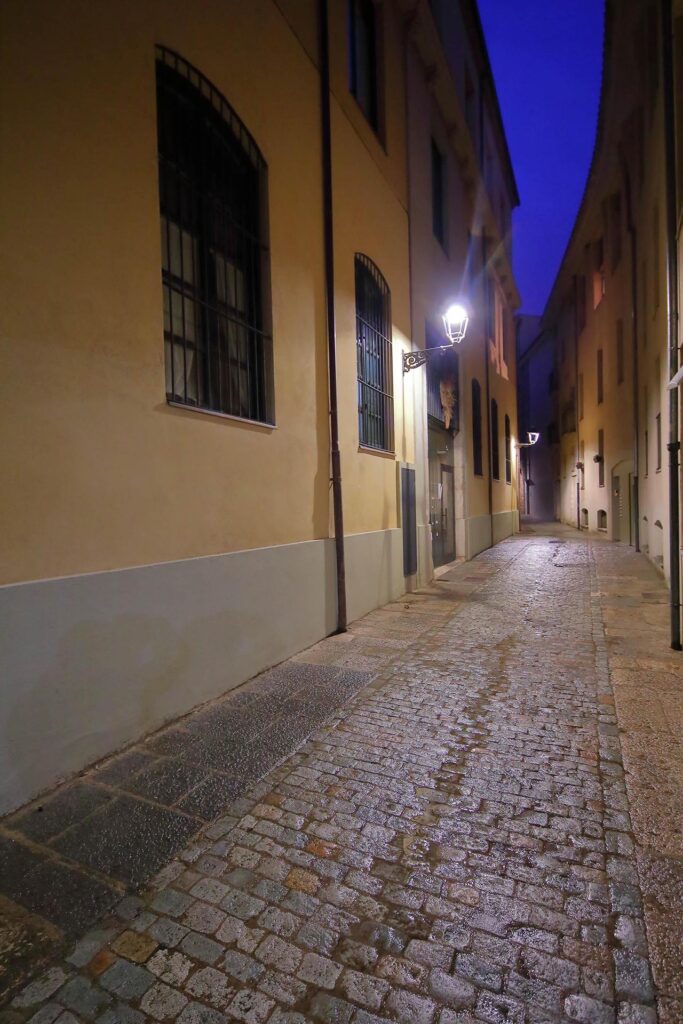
374,357
214,252
495,441
602,519
476,428
584,518
508,451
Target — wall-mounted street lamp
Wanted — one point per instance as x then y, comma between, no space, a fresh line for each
533,436
455,321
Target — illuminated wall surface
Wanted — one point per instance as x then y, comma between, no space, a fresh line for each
612,400
156,556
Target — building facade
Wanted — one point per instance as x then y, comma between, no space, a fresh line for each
607,312
537,386
169,524
461,195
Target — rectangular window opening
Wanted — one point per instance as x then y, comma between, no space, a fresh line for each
363,58
438,194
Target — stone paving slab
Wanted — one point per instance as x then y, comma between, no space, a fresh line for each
68,857
454,845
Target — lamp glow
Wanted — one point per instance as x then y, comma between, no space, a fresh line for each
455,321
533,436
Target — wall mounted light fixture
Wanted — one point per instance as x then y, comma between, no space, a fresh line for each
455,321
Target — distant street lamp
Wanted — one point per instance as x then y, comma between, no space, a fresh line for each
455,321
533,436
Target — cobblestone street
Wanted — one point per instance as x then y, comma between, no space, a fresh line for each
460,842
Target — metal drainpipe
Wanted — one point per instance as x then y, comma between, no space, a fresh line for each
630,227
576,402
328,229
669,128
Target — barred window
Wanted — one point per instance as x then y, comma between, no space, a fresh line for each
212,181
476,428
495,441
374,357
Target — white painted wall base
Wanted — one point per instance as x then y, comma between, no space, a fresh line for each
477,535
481,532
374,570
505,524
90,663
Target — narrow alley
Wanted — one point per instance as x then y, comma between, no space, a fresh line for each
486,830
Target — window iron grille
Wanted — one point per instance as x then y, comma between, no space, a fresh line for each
374,357
495,441
476,429
212,177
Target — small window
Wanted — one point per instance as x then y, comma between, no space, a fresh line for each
581,302
602,519
601,458
374,357
584,518
645,281
470,107
658,437
620,351
601,393
495,442
599,273
508,450
615,230
443,381
438,194
214,253
363,58
476,428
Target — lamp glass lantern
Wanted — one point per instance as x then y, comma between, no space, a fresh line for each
455,321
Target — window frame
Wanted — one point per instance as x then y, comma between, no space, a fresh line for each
365,13
374,364
439,193
620,361
477,448
495,440
508,450
227,286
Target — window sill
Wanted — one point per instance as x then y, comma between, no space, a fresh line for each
221,415
377,451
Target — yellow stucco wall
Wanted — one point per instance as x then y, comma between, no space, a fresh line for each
98,471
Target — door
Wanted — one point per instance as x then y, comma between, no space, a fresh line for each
442,513
618,507
447,513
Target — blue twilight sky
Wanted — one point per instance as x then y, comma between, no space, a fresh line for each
547,63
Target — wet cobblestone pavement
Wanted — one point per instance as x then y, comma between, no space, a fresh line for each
461,842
